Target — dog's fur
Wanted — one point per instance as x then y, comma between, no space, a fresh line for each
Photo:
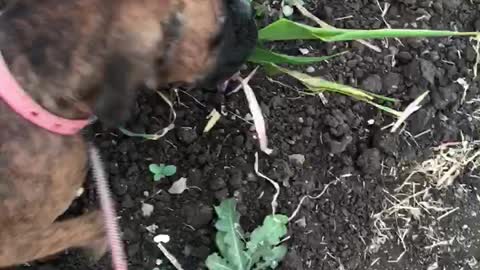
83,57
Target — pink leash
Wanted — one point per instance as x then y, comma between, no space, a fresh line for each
20,102
108,209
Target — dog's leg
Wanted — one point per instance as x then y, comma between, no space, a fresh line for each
86,231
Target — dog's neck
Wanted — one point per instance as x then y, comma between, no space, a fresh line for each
49,100
49,94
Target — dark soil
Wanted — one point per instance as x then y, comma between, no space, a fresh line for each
342,140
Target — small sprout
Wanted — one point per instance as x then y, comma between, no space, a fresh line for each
147,209
161,171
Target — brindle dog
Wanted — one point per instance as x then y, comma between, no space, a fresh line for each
82,57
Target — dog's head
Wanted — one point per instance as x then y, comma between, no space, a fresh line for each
216,38
94,54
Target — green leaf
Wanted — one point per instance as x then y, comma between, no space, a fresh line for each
318,85
157,177
294,2
263,249
228,223
277,255
284,29
169,170
267,236
272,259
155,169
215,262
270,233
220,241
261,56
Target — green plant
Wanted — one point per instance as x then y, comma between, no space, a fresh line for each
286,30
262,250
160,171
319,85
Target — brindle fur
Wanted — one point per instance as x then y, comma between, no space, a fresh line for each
76,58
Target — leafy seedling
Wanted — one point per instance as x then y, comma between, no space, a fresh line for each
262,250
285,30
161,171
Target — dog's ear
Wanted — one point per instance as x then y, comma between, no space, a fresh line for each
117,96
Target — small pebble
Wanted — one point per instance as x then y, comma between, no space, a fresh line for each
304,51
147,209
152,228
301,222
310,69
297,159
162,238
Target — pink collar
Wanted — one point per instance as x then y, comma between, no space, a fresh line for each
13,94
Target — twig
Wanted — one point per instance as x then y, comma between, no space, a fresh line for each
447,214
170,257
275,185
257,115
294,214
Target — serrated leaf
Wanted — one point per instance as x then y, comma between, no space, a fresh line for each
274,228
264,238
266,256
228,223
263,249
276,255
215,262
271,257
154,168
169,170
